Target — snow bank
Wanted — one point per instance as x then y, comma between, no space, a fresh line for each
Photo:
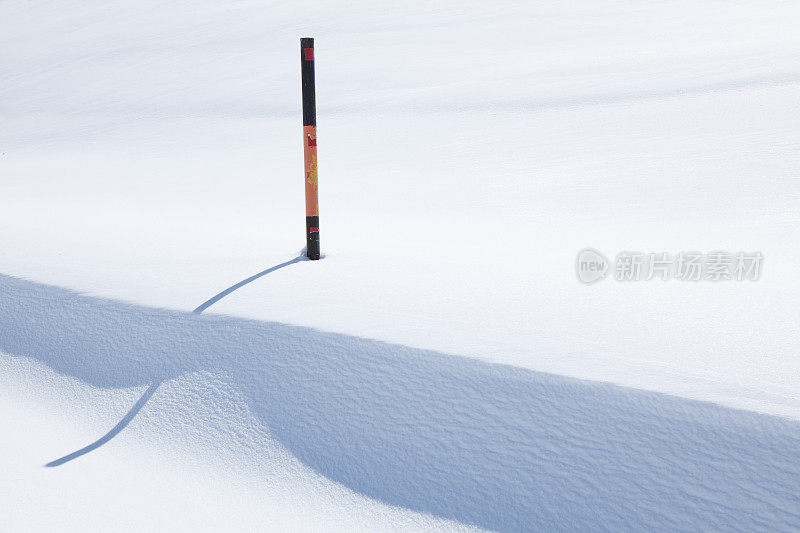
491,445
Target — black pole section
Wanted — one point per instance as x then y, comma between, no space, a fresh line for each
310,146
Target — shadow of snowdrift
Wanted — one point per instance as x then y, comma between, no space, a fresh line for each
491,445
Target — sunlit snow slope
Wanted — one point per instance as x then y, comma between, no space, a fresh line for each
442,366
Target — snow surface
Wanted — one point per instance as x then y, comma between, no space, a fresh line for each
441,367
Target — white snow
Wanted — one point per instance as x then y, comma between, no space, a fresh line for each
442,366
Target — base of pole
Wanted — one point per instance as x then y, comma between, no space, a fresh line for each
312,238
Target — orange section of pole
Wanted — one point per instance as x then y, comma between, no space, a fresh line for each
310,156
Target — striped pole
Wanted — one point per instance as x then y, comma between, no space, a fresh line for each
310,146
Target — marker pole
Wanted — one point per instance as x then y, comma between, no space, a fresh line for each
310,146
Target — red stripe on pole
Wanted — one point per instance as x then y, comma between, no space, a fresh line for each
309,54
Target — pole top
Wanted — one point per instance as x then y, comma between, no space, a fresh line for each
307,42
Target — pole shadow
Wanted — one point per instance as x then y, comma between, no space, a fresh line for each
211,301
148,393
114,431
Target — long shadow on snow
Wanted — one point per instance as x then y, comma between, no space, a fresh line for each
496,446
131,414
